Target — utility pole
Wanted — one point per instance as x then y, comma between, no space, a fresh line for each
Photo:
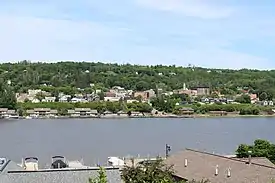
167,150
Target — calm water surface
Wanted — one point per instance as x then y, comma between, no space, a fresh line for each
96,139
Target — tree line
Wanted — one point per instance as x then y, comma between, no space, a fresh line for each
69,76
114,107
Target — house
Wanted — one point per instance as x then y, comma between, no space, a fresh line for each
41,112
253,97
205,100
186,91
192,164
112,99
203,91
3,112
82,112
120,95
151,93
21,97
110,94
12,113
186,111
229,101
266,103
49,99
142,94
145,95
218,113
76,100
79,95
10,172
35,100
131,101
98,91
108,114
122,113
65,98
33,93
118,89
136,114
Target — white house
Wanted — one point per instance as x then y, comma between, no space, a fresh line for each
49,99
64,98
35,100
112,99
75,100
266,103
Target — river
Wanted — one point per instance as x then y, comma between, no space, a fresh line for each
96,139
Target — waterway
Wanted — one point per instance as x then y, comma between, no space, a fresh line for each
96,139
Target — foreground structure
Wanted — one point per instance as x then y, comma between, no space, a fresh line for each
60,172
192,164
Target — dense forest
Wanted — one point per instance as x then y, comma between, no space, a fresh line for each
24,75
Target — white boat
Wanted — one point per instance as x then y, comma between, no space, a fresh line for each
58,162
30,163
61,162
14,116
115,161
11,116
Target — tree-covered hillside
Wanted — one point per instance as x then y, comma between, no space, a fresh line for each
25,75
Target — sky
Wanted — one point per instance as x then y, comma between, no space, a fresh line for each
207,33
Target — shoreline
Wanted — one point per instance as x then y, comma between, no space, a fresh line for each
157,117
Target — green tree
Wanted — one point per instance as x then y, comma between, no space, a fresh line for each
102,177
142,85
242,151
249,111
68,76
244,99
152,172
155,172
260,148
20,112
101,95
7,97
266,95
183,97
166,104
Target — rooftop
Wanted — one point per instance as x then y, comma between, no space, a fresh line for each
192,164
10,172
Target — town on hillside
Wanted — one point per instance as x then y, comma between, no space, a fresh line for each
119,102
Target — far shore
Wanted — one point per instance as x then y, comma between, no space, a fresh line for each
148,116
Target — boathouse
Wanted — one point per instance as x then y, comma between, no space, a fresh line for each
5,112
42,112
82,112
186,111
